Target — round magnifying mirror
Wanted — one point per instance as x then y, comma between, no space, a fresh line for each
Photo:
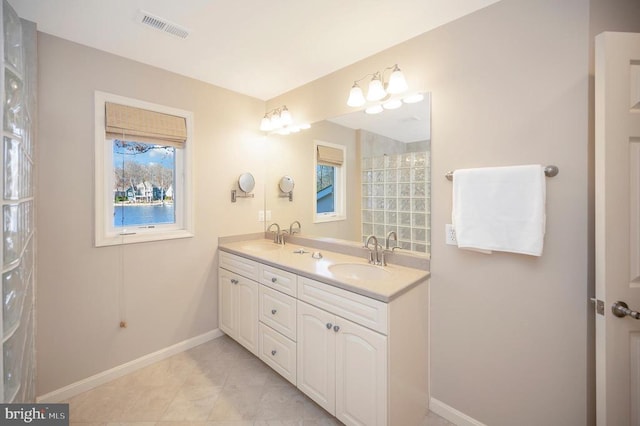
286,184
246,182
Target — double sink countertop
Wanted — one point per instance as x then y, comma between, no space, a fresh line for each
352,273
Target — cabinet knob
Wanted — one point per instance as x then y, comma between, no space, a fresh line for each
273,311
234,281
329,325
336,328
274,279
273,352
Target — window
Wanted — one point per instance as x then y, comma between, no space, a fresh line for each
330,182
143,185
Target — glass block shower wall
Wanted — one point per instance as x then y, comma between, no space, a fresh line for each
17,249
396,196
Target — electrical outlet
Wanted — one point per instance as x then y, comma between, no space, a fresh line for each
268,215
260,215
450,235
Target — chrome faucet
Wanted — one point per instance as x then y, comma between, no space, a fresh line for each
395,237
294,231
373,254
277,235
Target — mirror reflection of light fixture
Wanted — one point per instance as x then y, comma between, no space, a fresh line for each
279,120
413,99
375,109
378,89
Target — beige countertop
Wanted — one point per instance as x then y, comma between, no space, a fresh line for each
393,280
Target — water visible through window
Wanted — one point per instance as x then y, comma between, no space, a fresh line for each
144,185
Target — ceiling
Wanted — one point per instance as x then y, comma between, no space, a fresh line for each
255,47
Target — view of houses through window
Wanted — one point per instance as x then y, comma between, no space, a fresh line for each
144,186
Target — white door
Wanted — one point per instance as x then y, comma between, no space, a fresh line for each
317,356
617,102
226,302
247,314
361,375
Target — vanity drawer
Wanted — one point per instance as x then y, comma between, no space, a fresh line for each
362,310
278,352
278,311
239,265
279,280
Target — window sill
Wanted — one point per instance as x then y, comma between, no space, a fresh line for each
329,218
141,237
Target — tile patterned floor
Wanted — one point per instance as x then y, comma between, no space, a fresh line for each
218,383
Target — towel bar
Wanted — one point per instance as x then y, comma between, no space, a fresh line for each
549,171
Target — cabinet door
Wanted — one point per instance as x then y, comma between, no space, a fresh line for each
247,314
227,302
361,375
316,355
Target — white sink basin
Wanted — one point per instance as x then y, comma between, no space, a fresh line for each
261,246
359,271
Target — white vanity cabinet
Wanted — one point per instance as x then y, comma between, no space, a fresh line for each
238,304
342,365
361,359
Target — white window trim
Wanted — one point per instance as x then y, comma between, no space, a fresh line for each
341,184
105,233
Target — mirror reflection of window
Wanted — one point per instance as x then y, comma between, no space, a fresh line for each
325,189
330,182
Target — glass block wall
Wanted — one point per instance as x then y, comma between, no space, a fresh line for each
396,196
17,154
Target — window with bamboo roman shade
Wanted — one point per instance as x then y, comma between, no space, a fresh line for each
143,174
330,156
142,125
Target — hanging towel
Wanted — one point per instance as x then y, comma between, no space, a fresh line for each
500,208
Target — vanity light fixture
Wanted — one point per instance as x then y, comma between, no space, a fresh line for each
279,120
378,89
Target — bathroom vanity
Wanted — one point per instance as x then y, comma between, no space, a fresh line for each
350,335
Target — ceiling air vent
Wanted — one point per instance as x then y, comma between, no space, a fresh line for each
161,24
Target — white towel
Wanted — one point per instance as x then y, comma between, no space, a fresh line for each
500,208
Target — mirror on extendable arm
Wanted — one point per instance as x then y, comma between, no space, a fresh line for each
286,185
246,183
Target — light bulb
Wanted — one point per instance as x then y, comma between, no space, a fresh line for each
376,90
397,83
356,97
376,109
412,99
285,117
392,104
276,122
305,126
265,124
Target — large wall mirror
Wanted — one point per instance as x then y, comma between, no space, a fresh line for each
387,176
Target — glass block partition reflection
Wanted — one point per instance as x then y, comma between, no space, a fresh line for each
396,196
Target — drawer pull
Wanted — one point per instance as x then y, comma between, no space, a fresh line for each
273,352
329,325
273,311
336,328
274,279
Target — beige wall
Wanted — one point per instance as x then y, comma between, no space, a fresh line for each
170,287
509,336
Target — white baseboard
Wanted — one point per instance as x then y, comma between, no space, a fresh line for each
451,414
113,373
